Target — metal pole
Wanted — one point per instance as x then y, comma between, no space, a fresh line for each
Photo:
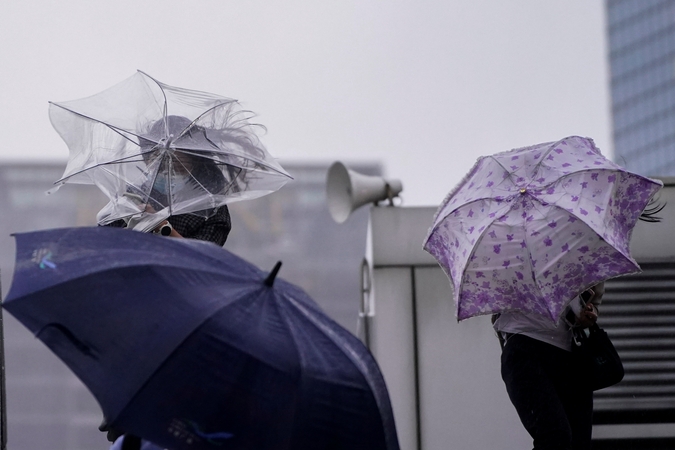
3,396
363,325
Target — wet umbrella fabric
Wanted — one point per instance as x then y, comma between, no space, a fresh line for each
188,346
530,229
157,150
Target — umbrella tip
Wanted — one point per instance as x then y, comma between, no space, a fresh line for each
269,281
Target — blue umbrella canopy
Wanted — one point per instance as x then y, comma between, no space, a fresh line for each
189,346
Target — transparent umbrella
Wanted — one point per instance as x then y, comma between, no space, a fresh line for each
156,150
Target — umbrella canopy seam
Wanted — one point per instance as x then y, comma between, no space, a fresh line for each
348,351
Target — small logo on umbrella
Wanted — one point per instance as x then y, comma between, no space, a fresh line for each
213,437
43,259
190,432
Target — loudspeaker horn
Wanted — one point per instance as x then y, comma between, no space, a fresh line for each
347,190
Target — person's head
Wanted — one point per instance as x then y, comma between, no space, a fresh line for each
176,132
179,150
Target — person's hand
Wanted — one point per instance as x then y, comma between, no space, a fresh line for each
588,316
158,228
162,230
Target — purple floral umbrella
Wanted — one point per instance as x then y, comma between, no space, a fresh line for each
531,228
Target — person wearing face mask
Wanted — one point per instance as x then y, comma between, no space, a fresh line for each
176,176
179,173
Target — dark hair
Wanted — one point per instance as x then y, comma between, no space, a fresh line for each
174,129
223,172
653,208
179,129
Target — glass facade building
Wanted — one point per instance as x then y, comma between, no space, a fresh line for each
47,406
642,65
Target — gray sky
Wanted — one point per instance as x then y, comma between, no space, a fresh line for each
423,86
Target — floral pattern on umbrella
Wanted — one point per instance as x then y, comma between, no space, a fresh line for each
531,228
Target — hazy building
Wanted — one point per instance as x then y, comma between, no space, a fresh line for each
642,63
48,407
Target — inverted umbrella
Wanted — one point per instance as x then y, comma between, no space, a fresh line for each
532,228
157,150
191,347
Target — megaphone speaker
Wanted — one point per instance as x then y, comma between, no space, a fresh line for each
347,190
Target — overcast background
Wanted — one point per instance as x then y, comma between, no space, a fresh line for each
425,87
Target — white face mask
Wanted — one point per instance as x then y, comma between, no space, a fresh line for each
178,183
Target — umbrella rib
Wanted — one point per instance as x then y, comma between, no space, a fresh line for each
536,167
234,179
474,248
185,338
256,160
201,185
538,204
461,206
469,175
118,131
508,172
543,157
568,175
290,329
202,115
478,239
112,127
159,85
107,163
354,357
248,158
531,267
320,326
574,214
168,182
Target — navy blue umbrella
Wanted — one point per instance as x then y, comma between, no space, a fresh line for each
191,347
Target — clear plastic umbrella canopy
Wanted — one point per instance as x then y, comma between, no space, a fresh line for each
156,150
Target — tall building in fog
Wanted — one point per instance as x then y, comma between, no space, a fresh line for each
642,64
47,406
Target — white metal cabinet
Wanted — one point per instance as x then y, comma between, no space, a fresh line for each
443,376
392,341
